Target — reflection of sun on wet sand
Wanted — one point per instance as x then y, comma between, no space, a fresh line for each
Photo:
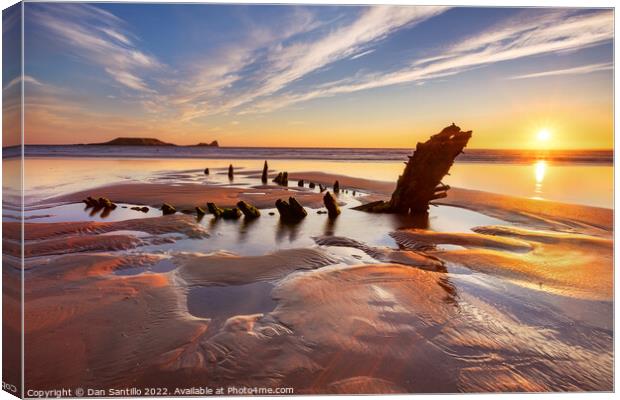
519,299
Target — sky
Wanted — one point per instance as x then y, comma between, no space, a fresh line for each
316,76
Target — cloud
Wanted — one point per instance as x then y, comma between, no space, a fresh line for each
267,61
268,67
17,81
12,104
525,36
118,36
99,38
57,115
207,87
585,69
287,64
522,37
282,55
128,79
362,54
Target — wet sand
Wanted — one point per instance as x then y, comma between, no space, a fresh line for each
365,304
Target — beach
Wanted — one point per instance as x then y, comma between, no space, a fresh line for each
307,199
494,291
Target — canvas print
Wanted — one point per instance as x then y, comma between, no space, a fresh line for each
230,199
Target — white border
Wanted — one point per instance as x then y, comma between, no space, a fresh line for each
475,3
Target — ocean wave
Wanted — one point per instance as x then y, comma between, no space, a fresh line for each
333,154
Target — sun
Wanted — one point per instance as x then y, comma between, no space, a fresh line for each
543,135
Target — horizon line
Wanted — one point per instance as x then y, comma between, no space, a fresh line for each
315,147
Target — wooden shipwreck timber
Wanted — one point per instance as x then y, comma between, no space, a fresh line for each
419,185
421,181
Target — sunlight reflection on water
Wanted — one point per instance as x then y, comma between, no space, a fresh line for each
540,168
47,177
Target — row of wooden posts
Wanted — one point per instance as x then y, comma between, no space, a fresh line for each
291,210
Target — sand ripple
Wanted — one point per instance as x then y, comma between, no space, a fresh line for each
385,254
235,270
415,239
569,264
56,238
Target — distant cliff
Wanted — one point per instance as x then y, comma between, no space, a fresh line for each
129,141
212,144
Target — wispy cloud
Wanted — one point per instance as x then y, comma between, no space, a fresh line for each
17,81
58,115
271,67
99,38
584,69
287,64
207,87
362,54
278,64
525,36
553,32
230,79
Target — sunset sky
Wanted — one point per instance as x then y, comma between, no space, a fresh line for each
327,76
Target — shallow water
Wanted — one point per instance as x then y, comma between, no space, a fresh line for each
45,177
79,212
223,302
268,233
162,266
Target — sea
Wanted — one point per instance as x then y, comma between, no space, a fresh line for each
308,153
570,176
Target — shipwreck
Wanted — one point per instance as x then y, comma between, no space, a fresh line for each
421,181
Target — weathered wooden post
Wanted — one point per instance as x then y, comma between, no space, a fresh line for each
264,176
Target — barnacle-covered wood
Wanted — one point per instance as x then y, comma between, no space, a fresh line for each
281,179
248,210
215,210
420,182
291,211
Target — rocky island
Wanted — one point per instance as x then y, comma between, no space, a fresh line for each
133,141
212,144
136,141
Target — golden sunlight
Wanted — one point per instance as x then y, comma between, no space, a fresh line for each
543,135
540,168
